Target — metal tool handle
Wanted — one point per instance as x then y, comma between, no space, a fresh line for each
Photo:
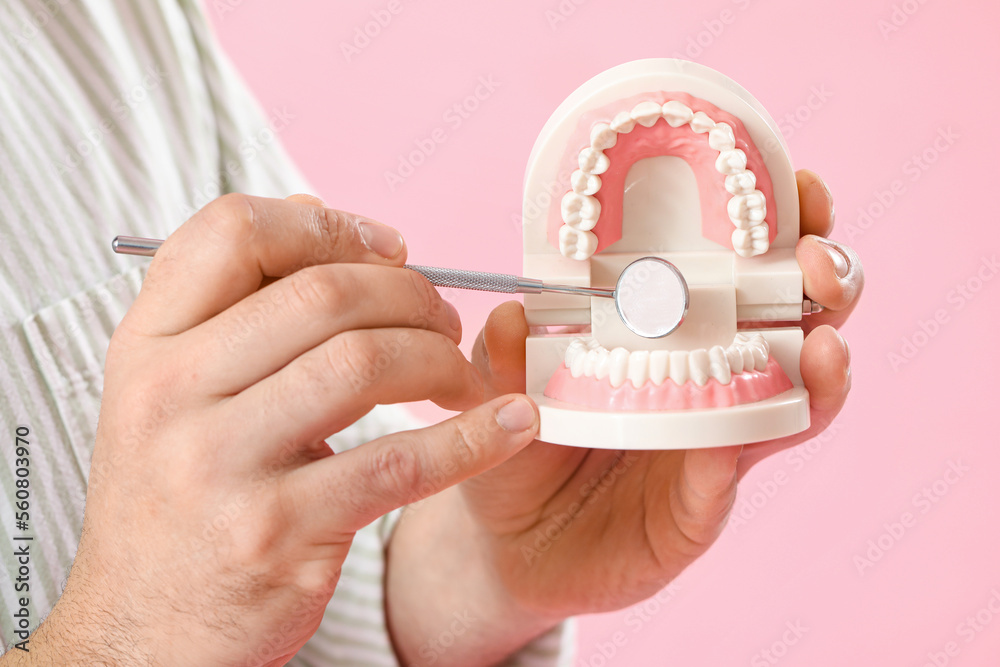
476,280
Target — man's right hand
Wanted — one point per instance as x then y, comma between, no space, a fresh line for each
217,518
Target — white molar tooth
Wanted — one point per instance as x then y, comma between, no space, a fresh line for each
759,353
659,366
584,183
701,123
647,113
593,161
741,337
677,113
741,239
679,366
618,366
576,244
735,359
757,206
699,364
729,162
759,231
742,183
623,122
593,344
580,211
748,359
602,137
579,362
719,364
638,368
721,137
739,212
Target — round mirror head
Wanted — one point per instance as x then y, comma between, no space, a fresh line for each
652,297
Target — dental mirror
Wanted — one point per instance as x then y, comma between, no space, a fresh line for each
651,295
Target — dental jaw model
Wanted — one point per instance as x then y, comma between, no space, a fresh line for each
666,159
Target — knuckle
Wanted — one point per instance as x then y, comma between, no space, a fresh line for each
428,301
317,290
335,230
397,472
231,217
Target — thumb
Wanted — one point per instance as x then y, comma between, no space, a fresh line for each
499,350
350,490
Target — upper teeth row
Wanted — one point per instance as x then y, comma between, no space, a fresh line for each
581,210
588,358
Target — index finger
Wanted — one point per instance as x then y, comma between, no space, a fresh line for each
224,252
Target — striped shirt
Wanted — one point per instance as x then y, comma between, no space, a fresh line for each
124,117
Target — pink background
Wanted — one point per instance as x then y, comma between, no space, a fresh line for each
886,96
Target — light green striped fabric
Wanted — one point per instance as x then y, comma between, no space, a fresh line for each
123,117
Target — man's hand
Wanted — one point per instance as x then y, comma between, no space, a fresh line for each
217,518
647,514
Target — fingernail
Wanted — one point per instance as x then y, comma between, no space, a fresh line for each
841,264
381,239
453,318
516,416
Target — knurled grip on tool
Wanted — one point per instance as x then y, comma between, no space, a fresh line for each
477,280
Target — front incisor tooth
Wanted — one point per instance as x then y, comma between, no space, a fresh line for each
638,368
699,363
719,364
575,348
647,113
618,366
677,113
679,366
659,366
603,365
735,359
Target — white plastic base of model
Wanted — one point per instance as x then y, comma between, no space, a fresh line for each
566,424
